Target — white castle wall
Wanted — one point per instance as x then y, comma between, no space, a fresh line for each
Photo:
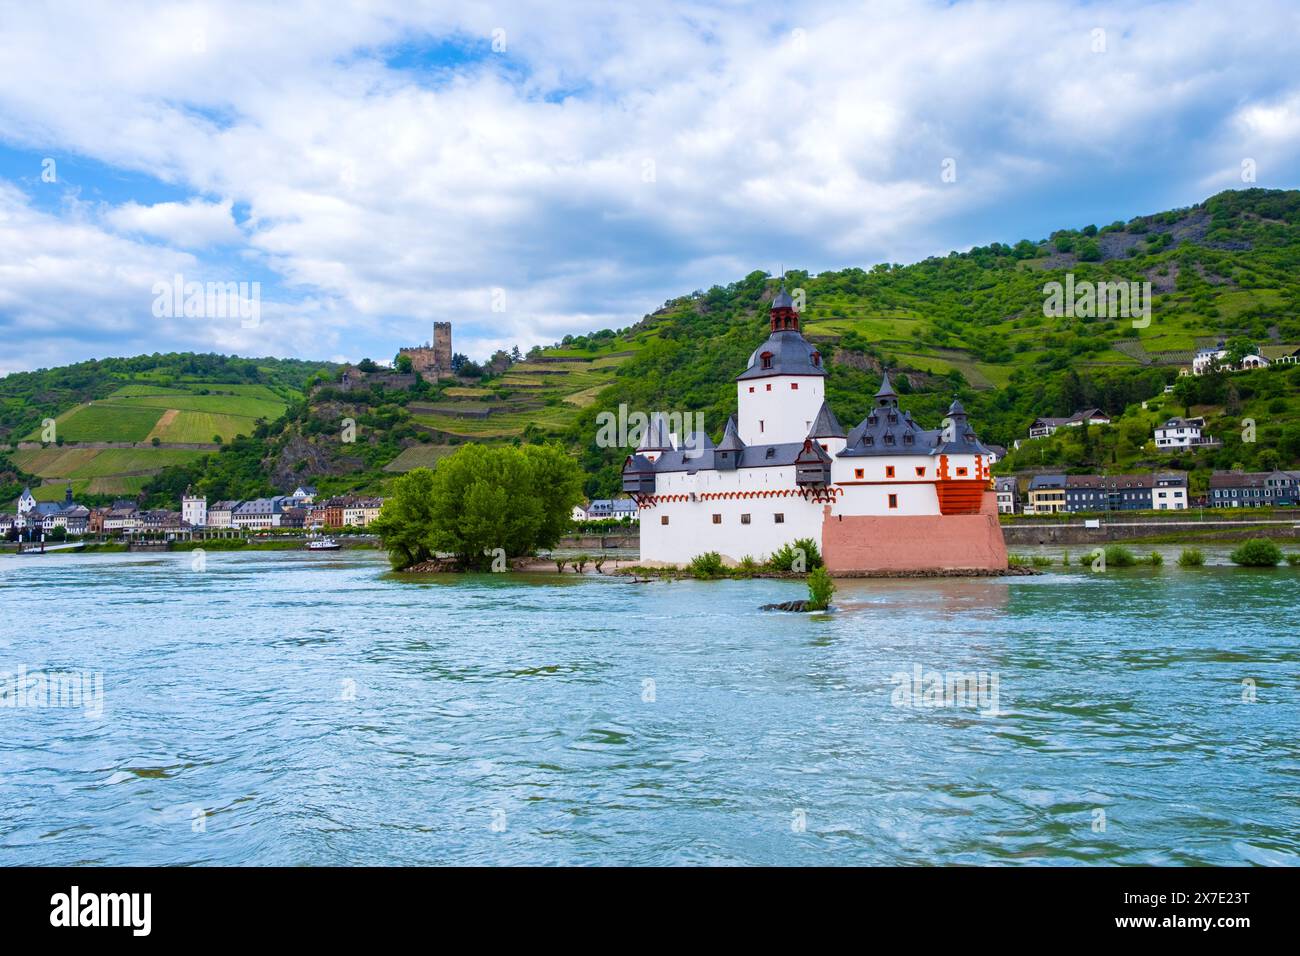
779,413
690,530
916,494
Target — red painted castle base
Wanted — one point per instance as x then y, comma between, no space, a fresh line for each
890,544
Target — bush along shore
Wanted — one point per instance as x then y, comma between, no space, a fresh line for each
1254,553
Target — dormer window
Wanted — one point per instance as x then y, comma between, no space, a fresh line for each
907,439
893,418
766,359
817,359
868,441
771,453
871,419
889,439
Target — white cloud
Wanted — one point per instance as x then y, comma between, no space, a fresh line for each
191,225
70,290
391,197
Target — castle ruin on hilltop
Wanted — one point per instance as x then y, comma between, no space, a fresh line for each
432,361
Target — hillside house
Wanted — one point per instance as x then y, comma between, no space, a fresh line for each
1183,433
1042,427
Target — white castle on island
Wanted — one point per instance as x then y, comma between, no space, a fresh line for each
887,496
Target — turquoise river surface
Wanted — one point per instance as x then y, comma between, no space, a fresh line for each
293,708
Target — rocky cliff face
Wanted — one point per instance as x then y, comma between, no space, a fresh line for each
303,460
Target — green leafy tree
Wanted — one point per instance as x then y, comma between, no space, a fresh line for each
479,500
406,522
1238,348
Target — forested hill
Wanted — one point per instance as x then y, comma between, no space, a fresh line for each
972,325
28,397
969,325
156,411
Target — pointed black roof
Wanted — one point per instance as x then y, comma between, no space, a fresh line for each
957,437
885,395
825,425
889,431
656,435
633,464
697,443
782,299
730,439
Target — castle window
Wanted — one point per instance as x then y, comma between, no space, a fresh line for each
778,518
889,438
857,473
907,439
889,471
751,389
760,424
663,519
868,440
744,519
769,387
920,472
717,519
767,359
893,501
824,446
961,472
771,453
794,386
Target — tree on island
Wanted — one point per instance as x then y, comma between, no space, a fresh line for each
479,500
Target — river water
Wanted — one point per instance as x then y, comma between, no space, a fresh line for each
290,708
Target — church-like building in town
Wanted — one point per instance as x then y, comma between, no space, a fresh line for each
886,496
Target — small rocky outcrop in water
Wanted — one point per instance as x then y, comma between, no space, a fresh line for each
792,606
432,566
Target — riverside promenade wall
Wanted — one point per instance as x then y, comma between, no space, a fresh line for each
1211,528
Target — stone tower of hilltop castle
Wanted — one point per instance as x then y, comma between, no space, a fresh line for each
432,360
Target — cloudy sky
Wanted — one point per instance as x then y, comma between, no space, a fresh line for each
531,169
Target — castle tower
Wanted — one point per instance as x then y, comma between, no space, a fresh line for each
442,347
194,509
780,394
433,361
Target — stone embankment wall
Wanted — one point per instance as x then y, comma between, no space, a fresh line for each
1111,531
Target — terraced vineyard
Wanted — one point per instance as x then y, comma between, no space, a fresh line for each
192,413
96,471
548,393
195,413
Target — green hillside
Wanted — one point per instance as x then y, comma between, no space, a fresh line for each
158,403
969,325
